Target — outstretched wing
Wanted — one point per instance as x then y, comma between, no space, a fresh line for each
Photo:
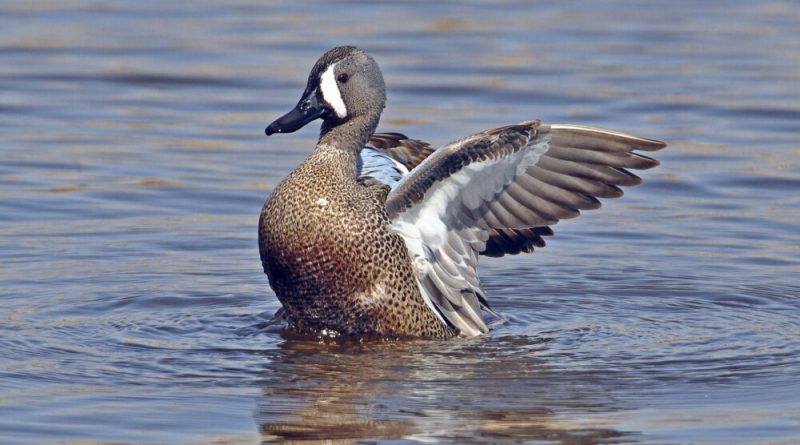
390,156
496,192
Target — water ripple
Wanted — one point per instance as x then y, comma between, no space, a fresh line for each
133,167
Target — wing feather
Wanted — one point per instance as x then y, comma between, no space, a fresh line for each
575,183
401,148
496,193
601,173
389,156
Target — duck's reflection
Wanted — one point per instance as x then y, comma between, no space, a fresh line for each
468,391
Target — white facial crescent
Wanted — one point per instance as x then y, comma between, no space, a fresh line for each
330,92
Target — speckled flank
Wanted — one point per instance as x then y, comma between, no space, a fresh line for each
338,267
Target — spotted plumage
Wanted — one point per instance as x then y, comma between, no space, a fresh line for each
384,240
338,267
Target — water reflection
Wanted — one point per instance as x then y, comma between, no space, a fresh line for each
467,391
320,393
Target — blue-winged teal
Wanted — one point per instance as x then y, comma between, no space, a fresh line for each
384,241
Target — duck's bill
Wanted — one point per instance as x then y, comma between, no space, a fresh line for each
308,109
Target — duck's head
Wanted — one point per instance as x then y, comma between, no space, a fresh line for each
344,83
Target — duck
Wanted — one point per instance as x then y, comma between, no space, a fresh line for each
377,235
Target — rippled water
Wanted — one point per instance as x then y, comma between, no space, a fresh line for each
133,168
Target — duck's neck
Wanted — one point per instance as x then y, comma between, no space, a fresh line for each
346,140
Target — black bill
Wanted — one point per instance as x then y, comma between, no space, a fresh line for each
308,109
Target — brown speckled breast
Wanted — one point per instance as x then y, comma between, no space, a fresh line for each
332,260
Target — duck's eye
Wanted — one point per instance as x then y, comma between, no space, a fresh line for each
343,78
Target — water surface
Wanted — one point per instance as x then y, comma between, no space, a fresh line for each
133,168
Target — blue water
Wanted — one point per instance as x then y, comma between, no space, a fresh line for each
133,167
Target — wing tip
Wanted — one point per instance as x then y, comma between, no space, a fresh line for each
647,144
635,142
645,162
